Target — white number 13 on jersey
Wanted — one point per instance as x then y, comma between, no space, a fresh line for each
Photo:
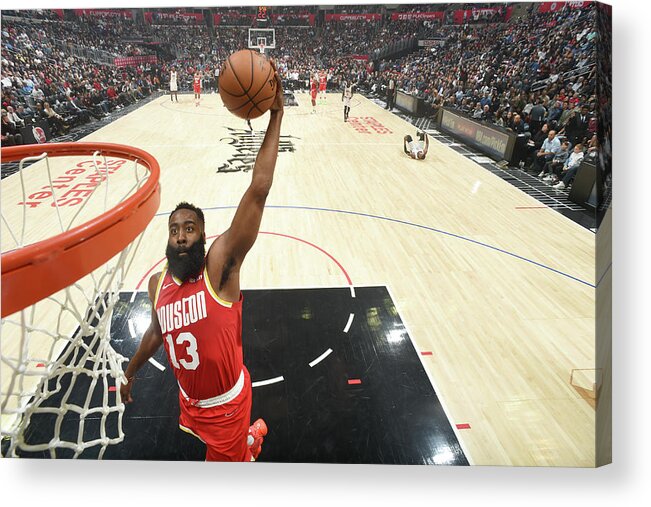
190,350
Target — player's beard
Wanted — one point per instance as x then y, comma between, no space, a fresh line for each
187,266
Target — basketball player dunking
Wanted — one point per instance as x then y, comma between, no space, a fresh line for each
197,315
313,90
196,84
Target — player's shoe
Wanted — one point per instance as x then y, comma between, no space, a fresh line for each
257,432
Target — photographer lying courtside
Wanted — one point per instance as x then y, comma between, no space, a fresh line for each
416,149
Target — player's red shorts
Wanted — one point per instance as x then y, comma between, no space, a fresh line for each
313,93
223,428
197,89
322,87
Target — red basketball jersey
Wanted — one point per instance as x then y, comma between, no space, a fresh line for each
202,335
197,83
322,80
313,85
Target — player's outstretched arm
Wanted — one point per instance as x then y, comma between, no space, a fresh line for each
426,144
239,238
151,341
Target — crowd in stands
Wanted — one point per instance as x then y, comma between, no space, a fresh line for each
533,75
40,81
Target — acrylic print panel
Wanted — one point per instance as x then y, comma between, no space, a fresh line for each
426,283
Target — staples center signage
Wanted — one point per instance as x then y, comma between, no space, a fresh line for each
368,125
103,13
192,18
74,186
558,6
417,15
353,17
491,141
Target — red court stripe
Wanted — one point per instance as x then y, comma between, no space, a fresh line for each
425,353
352,381
343,270
464,426
112,389
40,365
350,282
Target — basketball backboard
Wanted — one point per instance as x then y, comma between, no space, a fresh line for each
265,37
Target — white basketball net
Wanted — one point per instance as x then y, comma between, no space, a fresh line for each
60,382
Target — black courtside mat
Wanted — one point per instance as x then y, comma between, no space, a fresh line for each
336,378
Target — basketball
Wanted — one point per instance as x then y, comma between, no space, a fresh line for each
246,84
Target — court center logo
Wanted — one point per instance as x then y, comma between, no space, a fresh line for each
247,143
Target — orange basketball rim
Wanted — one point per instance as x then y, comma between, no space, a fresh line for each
36,271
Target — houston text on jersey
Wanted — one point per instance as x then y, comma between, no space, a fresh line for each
182,313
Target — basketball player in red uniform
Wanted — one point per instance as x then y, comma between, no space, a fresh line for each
323,77
313,90
197,315
196,84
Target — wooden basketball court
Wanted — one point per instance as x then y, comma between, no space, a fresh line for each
496,290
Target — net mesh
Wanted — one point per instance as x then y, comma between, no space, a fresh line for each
60,375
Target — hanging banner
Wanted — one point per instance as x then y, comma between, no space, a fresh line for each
417,15
558,6
353,17
431,43
190,18
227,19
103,13
307,18
130,61
462,16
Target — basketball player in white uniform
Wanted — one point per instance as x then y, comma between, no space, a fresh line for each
416,149
174,85
345,97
